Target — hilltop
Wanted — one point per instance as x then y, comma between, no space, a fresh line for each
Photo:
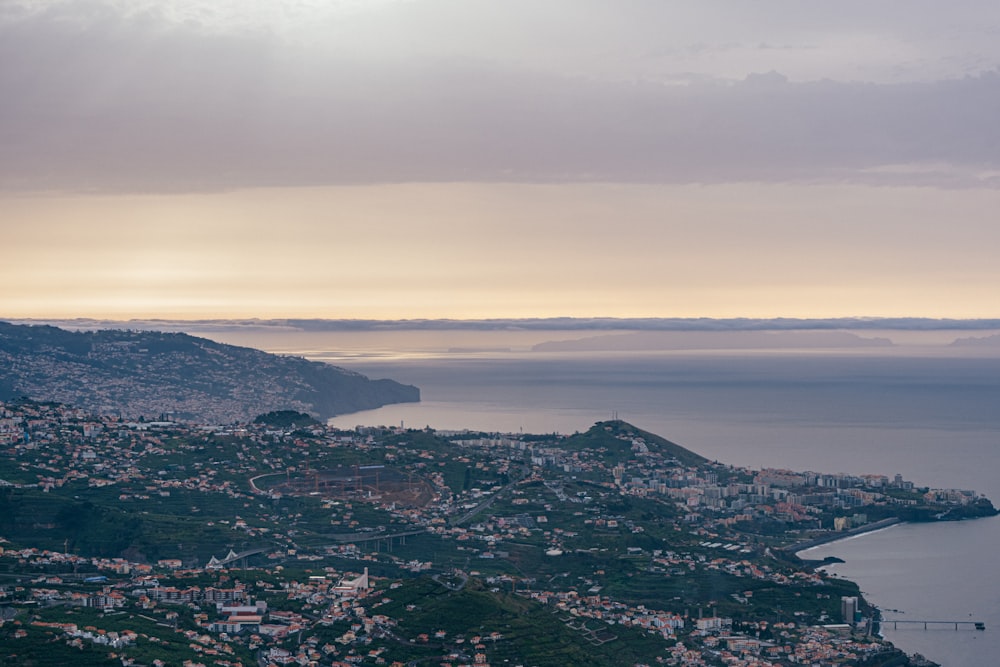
620,440
299,542
148,374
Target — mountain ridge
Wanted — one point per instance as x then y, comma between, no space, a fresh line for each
148,373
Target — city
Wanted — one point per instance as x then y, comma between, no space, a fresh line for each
284,541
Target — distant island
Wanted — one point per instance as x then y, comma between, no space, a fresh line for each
717,340
176,376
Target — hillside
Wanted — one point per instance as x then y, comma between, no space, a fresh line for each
418,547
620,438
148,374
523,631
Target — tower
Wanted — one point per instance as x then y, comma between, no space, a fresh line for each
849,609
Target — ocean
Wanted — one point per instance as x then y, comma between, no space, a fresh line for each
926,411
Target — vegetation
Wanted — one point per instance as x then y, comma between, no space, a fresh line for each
154,374
601,548
286,419
530,633
614,437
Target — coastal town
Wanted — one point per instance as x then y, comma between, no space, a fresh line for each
172,375
283,541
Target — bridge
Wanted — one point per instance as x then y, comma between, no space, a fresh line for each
232,557
975,625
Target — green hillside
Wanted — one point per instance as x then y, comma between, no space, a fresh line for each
149,374
617,436
530,633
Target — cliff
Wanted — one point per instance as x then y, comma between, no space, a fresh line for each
147,373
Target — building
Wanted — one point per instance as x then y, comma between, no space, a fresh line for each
849,609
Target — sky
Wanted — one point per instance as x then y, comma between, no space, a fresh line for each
396,159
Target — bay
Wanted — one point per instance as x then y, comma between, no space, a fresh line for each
933,572
928,413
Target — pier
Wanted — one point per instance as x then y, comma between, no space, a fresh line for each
975,625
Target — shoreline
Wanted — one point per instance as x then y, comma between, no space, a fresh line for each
800,547
805,545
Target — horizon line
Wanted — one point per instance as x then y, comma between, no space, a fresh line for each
540,323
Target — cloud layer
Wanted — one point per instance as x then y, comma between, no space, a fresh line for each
102,98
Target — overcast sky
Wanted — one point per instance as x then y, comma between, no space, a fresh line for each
411,158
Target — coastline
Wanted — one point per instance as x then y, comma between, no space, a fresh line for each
805,545
799,548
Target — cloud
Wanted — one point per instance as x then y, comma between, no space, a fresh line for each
115,101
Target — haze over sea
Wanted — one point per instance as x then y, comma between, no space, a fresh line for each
921,408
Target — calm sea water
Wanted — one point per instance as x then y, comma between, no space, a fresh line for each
928,414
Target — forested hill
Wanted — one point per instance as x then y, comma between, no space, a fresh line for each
148,373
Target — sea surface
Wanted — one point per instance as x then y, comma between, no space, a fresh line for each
923,409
